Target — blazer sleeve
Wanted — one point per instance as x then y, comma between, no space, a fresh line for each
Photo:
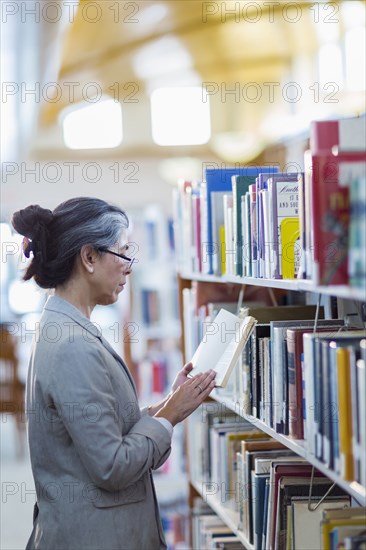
82,393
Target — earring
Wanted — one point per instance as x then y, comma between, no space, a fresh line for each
91,270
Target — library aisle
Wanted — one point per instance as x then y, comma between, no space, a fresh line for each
17,490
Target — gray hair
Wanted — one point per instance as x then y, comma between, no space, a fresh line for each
55,238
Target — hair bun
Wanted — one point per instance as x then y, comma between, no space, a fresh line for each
31,220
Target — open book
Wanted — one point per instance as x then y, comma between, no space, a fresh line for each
223,341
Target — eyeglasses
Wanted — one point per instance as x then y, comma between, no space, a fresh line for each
130,261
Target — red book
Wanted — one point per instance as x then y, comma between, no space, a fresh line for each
331,214
289,470
346,133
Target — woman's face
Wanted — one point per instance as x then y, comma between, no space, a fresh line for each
111,272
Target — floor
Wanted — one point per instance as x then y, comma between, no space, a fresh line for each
17,490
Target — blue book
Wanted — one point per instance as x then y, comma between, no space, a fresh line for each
259,488
220,179
265,512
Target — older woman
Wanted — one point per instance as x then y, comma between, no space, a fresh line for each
92,449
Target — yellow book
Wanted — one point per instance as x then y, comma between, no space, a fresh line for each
290,247
222,249
289,529
345,413
327,527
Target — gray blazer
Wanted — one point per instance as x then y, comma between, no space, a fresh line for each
92,449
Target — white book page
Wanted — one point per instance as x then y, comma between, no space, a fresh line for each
224,339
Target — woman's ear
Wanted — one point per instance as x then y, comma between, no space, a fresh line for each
88,257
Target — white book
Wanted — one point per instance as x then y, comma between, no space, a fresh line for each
229,236
246,234
306,525
308,341
204,227
223,341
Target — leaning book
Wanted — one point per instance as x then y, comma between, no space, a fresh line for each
224,339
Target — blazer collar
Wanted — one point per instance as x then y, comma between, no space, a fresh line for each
55,303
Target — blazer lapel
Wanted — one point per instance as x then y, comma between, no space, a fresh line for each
55,303
107,345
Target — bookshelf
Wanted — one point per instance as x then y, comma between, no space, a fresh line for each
321,273
301,285
298,446
229,517
153,347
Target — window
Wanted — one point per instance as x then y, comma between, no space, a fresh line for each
93,126
180,116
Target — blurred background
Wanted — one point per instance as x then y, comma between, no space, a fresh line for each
120,100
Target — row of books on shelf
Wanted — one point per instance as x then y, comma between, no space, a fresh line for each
209,532
156,370
281,501
302,378
151,235
257,221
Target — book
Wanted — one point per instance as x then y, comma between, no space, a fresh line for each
331,217
260,185
240,186
345,414
253,231
220,179
217,220
353,174
229,251
306,534
361,387
245,211
224,340
295,386
328,413
293,487
290,248
347,133
279,371
196,219
264,315
283,191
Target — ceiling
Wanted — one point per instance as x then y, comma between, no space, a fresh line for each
128,48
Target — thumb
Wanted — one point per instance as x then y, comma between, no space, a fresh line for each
188,367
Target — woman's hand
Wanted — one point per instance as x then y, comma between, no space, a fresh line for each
187,397
182,376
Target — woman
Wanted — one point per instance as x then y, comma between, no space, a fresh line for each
92,449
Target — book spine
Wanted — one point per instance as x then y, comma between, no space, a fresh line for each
204,228
345,415
278,368
309,392
302,227
361,390
236,210
294,404
244,237
318,413
247,247
354,356
333,388
253,232
327,409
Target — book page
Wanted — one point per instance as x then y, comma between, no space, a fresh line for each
221,345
